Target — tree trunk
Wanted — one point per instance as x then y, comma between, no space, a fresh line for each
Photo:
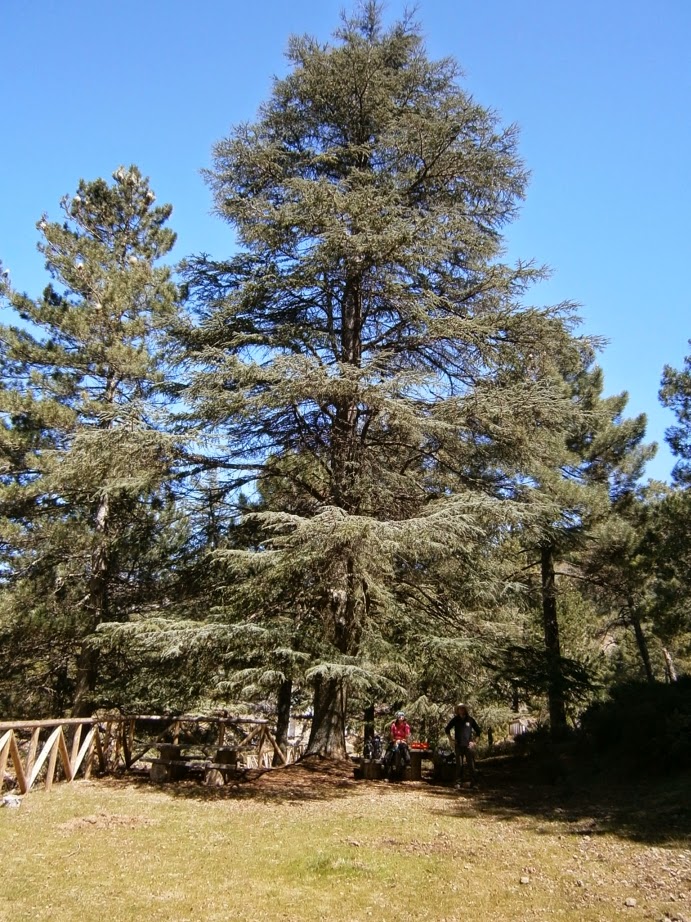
327,736
555,692
369,722
87,674
285,691
99,604
641,642
515,699
670,670
343,628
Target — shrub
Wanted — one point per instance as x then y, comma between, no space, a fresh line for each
643,727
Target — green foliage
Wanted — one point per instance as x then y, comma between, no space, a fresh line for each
675,394
534,672
643,728
87,522
350,464
367,354
666,556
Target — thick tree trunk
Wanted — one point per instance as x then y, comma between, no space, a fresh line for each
341,621
550,622
641,642
87,674
285,691
99,605
342,629
369,722
327,736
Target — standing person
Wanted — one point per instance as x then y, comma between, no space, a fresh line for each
399,733
463,726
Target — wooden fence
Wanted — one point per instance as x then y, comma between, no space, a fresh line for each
27,761
35,751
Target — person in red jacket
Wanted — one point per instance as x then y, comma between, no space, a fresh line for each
400,728
399,733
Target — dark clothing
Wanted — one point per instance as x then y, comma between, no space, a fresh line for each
463,727
390,755
457,723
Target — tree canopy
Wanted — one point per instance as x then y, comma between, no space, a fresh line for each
350,461
367,349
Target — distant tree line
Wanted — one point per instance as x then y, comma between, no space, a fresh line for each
349,463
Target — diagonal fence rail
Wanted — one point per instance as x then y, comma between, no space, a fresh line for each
45,751
28,746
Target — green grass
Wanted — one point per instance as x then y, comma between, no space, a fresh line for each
128,851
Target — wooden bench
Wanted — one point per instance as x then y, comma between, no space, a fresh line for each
172,765
173,769
224,768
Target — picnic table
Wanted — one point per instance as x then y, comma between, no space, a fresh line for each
172,764
373,769
224,768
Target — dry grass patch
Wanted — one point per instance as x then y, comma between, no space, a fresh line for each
308,843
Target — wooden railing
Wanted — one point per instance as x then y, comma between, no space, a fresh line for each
50,750
27,761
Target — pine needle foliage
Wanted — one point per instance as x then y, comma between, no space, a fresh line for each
86,519
367,349
593,481
675,394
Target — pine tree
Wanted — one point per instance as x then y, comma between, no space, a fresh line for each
667,545
85,450
593,482
367,347
675,394
665,552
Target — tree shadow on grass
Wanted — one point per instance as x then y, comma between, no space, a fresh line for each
558,793
563,794
310,779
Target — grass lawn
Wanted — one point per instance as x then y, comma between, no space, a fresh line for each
312,844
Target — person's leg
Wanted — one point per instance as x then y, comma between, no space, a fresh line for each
458,774
470,759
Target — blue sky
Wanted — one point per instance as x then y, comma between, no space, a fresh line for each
600,90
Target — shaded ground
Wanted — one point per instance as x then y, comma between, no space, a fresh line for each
595,799
548,790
